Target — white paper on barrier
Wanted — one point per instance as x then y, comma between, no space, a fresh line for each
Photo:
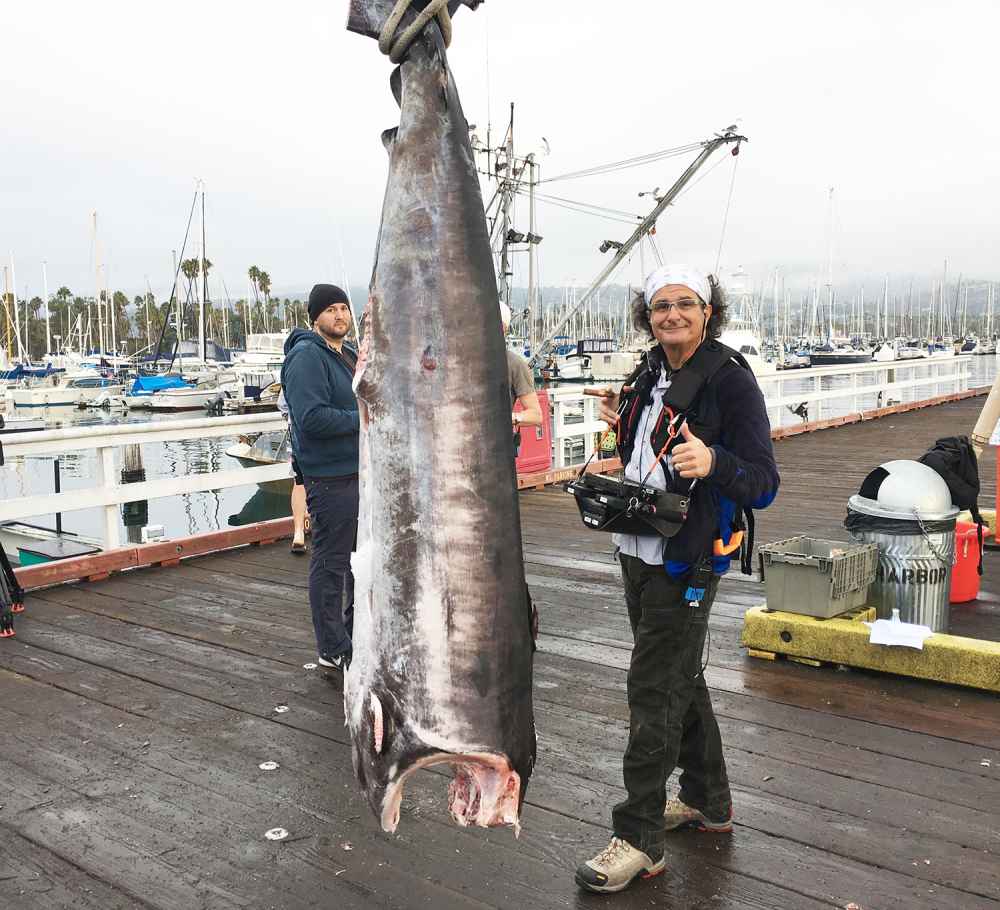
900,634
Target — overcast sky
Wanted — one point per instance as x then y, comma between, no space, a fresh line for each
117,107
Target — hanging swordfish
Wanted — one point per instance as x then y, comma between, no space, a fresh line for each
442,666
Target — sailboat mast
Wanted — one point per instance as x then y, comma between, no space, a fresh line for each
829,268
17,315
45,291
203,288
149,331
112,322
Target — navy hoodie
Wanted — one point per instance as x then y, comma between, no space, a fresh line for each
322,408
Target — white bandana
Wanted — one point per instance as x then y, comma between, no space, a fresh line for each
678,274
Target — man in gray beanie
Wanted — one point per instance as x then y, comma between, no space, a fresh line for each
317,378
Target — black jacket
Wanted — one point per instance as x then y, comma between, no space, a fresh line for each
728,415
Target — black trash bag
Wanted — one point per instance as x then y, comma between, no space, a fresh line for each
955,460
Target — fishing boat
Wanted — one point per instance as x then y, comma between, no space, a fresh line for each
741,331
607,362
740,337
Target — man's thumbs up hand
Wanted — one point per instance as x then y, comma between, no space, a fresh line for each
692,458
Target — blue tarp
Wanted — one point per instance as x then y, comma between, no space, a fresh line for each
146,385
22,372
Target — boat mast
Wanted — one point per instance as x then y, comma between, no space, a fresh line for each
203,290
885,303
507,199
109,299
17,315
829,271
97,290
180,321
45,290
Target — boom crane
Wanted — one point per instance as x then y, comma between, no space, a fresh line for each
708,148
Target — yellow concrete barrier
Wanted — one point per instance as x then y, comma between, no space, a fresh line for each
844,640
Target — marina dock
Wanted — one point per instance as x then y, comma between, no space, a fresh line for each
138,709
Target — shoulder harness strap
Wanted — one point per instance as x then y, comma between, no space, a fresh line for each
689,381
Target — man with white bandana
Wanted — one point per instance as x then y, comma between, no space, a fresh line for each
718,451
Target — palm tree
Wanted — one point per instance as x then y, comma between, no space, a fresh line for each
264,283
254,275
189,268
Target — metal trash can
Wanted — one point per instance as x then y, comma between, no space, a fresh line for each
905,507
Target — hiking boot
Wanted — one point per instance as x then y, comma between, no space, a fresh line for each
678,815
616,867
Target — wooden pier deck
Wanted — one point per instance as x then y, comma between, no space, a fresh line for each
135,712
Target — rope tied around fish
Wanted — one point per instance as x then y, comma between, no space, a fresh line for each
396,49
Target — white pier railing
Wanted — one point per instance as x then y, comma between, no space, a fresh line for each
794,396
107,491
791,396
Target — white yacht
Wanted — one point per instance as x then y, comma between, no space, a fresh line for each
263,351
72,389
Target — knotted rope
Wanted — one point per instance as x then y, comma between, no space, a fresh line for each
396,49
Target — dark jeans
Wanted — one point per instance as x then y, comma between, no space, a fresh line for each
333,511
670,712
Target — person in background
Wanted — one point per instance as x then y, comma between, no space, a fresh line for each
522,391
522,387
300,514
317,378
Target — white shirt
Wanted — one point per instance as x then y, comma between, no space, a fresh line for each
647,547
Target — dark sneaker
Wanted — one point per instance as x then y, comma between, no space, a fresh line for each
616,867
340,662
679,815
298,549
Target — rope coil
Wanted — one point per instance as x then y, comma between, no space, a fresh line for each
396,48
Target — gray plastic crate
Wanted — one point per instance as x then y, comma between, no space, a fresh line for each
818,577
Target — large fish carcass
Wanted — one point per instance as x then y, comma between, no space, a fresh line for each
442,667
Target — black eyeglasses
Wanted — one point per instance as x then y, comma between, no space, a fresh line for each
685,305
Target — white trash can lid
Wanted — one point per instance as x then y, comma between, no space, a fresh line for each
900,489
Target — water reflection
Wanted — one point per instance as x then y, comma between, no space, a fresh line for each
262,506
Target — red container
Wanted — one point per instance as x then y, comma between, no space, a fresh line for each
535,456
965,572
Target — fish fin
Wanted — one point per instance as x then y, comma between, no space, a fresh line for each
389,138
396,84
365,17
